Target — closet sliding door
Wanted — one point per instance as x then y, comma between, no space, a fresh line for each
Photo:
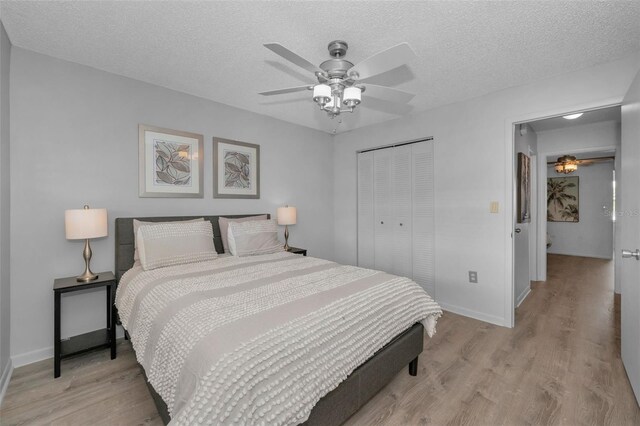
423,212
366,219
383,209
396,212
402,258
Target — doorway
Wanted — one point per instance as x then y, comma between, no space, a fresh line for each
581,222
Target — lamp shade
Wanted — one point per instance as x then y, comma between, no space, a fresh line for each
286,215
321,93
352,96
80,224
330,104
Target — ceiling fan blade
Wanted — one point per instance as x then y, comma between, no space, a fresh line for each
383,61
388,93
287,90
589,161
279,49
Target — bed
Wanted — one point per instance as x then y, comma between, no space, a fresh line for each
348,388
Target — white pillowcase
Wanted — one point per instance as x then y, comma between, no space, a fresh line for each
168,244
138,223
224,227
253,238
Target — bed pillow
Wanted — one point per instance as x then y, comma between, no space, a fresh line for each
253,238
168,244
138,223
224,227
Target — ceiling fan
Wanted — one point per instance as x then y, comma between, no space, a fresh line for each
569,163
340,83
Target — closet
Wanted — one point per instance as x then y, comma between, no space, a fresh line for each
396,211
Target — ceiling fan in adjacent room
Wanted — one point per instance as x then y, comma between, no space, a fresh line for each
569,163
340,83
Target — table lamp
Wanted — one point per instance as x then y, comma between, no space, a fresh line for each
83,224
286,216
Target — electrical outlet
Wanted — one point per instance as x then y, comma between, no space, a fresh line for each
473,276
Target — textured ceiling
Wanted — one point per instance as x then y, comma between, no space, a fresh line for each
595,116
214,49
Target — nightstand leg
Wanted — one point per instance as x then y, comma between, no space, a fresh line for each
111,316
56,332
108,306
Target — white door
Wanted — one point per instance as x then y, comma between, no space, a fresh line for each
533,225
630,235
521,262
366,219
383,207
401,225
521,258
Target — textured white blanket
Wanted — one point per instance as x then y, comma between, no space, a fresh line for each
259,340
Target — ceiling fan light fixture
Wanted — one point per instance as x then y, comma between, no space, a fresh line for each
570,168
572,116
566,164
352,96
330,104
321,94
338,89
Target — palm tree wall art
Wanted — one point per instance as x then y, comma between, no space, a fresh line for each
563,199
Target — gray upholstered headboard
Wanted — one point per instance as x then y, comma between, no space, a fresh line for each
124,236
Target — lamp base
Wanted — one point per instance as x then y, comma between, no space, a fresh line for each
286,238
85,278
87,275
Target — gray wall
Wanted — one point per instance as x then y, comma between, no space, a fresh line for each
74,134
592,236
5,292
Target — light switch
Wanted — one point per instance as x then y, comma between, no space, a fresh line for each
494,206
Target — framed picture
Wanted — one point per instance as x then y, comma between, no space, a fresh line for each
171,163
524,188
236,169
563,199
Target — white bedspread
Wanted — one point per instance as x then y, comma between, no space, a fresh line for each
259,340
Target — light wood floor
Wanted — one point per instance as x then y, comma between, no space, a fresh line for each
560,365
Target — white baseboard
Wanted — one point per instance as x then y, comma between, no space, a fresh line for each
523,296
474,314
31,357
581,255
5,379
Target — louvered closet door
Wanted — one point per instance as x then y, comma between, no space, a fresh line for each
383,209
366,219
423,216
402,185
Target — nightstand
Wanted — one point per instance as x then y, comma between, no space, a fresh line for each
297,250
105,337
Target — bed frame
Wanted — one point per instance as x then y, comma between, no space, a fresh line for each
338,405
